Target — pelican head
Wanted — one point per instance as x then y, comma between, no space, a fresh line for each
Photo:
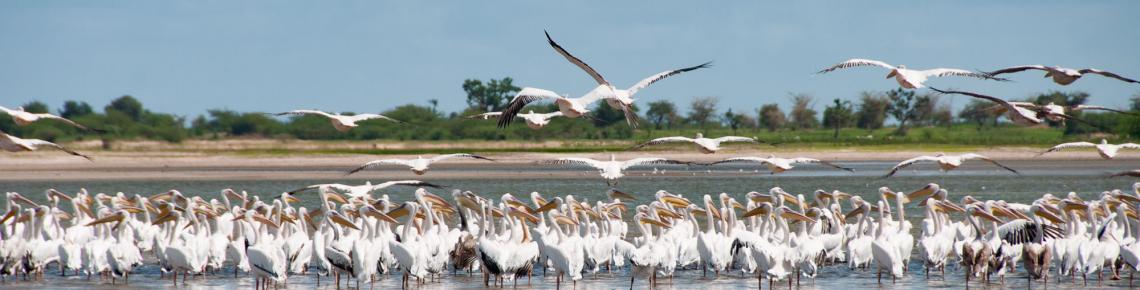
1103,141
699,135
613,157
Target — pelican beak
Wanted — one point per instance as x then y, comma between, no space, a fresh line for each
11,213
950,206
675,201
793,215
547,207
131,209
839,215
714,211
735,204
495,212
162,196
665,212
893,195
855,212
1127,197
526,215
563,219
760,197
759,210
656,222
620,206
336,197
1079,206
986,215
164,218
150,207
398,212
340,219
468,203
921,194
436,199
839,195
21,199
788,198
379,215
616,194
111,218
291,199
1043,213
59,195
264,220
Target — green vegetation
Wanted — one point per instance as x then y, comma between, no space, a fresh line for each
882,119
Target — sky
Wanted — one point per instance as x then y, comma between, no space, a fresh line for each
186,57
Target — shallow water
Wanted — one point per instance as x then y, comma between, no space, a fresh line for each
982,181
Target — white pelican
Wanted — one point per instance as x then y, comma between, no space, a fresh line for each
419,165
485,116
1055,112
24,118
946,162
1018,114
342,123
705,145
612,170
1033,235
908,78
1107,151
15,144
575,107
976,254
1062,76
359,191
778,165
886,253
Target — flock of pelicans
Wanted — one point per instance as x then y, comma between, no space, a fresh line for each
352,234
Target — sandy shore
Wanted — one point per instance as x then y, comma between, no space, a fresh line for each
176,165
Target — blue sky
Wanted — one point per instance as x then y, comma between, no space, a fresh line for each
368,56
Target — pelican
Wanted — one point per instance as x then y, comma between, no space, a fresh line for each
778,165
946,162
1107,151
342,123
886,254
1017,114
977,253
485,116
359,191
419,165
705,145
1033,235
24,118
15,144
1058,113
1133,173
611,170
1062,76
908,78
575,107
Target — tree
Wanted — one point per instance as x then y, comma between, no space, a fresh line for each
1135,102
605,115
736,121
126,105
838,115
902,108
493,96
434,104
771,117
701,110
660,112
872,111
803,116
978,112
73,109
35,107
943,116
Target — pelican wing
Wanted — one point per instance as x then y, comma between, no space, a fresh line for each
742,159
524,97
37,143
970,156
1024,231
578,62
854,62
942,72
1017,69
1102,108
1064,146
62,119
1130,146
813,160
908,162
661,140
5,110
735,139
305,112
1005,104
1133,173
380,162
1107,74
575,161
547,116
362,117
459,155
484,116
404,183
647,161
662,75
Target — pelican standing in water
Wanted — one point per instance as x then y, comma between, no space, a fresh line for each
909,78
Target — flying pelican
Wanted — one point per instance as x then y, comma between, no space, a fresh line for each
705,145
575,107
908,78
1062,76
946,162
367,188
485,116
1107,151
1055,112
419,165
23,118
538,120
15,144
1133,173
1017,114
342,123
778,165
611,170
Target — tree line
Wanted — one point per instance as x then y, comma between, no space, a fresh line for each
125,118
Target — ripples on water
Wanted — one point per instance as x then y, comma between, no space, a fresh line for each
981,181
